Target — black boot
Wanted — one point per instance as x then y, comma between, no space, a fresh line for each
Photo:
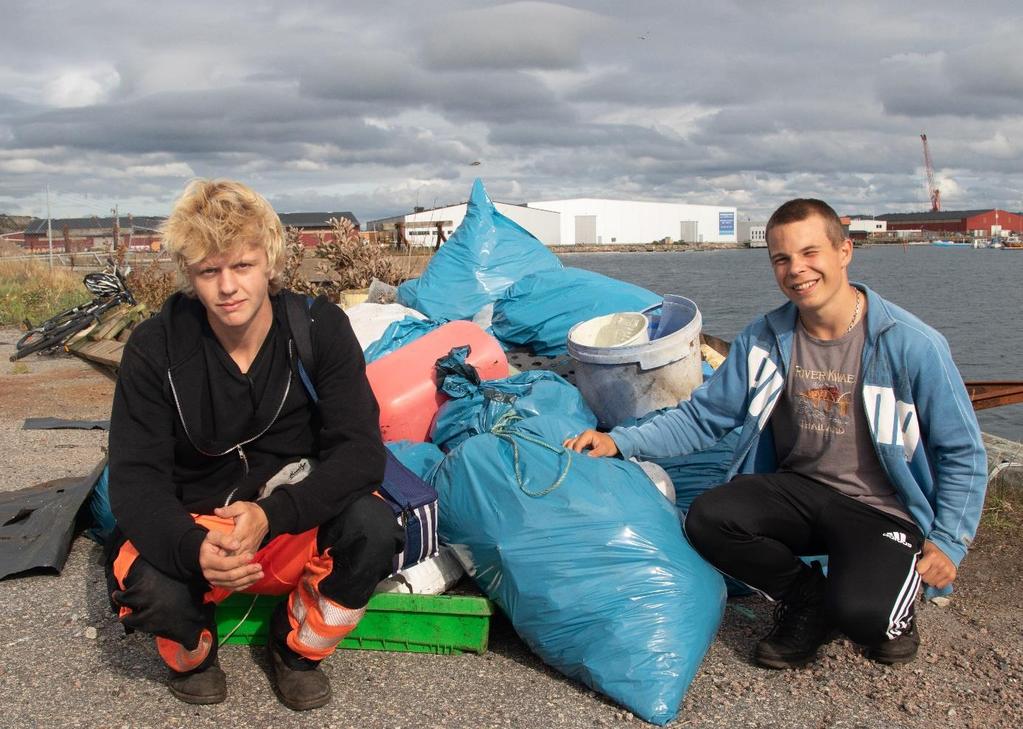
897,650
300,683
800,624
201,686
206,684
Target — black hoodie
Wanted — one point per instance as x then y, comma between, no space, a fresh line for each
189,432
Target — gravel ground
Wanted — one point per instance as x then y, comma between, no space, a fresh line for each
64,661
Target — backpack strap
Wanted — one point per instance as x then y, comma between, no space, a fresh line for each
298,310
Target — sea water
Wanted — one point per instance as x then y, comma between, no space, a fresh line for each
972,296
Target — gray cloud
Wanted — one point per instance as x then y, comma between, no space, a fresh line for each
983,79
356,108
518,35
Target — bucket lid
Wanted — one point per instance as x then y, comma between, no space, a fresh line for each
671,315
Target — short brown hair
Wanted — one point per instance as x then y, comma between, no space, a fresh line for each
795,211
215,216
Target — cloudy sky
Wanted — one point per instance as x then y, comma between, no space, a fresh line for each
377,106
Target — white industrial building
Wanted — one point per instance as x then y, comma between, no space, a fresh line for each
592,221
578,221
867,225
752,233
421,226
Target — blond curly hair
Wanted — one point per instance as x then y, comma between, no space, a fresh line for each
213,217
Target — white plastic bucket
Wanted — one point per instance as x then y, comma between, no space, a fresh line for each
627,381
624,329
659,477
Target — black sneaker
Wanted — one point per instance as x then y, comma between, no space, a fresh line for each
800,625
897,650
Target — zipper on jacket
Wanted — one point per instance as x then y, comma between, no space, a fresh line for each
238,446
244,459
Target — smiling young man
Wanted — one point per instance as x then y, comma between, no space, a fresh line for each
225,476
858,442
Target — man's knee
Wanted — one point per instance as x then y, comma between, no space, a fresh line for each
704,522
162,606
368,525
362,540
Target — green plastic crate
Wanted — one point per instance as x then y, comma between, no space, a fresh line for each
447,624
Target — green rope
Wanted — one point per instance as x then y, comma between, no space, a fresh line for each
241,622
503,430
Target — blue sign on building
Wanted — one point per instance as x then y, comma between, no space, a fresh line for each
726,223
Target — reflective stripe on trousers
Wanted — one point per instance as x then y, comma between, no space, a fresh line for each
318,623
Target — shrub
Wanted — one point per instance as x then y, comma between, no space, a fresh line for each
345,262
31,290
152,285
294,250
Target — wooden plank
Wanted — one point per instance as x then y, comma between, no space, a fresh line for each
994,393
105,352
111,319
120,323
80,336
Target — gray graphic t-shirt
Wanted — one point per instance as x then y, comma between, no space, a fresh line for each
819,425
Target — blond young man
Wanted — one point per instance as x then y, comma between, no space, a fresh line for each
858,442
212,443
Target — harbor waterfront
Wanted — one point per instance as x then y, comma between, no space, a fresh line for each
973,297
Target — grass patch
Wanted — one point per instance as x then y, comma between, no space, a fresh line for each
1003,510
19,368
30,290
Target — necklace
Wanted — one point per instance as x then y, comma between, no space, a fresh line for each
856,312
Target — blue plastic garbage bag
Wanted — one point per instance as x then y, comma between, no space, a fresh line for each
694,473
538,311
485,255
420,458
398,334
586,558
475,406
99,509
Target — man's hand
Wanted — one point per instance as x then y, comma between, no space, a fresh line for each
935,568
250,525
222,565
600,444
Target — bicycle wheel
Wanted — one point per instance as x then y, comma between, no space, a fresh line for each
49,335
36,340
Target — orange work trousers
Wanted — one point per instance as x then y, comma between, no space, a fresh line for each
291,566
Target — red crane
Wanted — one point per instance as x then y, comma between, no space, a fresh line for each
933,193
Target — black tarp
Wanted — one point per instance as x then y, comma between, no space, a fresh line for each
61,423
37,524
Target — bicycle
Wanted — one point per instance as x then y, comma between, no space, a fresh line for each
109,289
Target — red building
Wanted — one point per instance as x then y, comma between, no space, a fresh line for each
314,225
978,222
83,234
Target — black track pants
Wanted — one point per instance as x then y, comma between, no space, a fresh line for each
755,527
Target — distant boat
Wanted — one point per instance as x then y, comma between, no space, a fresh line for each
949,244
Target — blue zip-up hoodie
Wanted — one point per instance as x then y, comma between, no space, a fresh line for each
923,426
